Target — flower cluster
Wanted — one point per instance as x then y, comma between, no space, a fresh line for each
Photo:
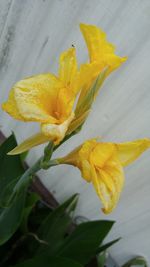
50,100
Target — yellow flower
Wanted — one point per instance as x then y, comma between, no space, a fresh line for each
102,62
102,164
46,99
101,54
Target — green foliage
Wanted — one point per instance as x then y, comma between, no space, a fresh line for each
83,243
55,225
56,237
107,245
47,261
31,200
10,170
11,216
12,208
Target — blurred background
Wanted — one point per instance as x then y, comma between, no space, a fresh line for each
32,35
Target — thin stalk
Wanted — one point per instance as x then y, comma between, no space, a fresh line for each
27,176
29,173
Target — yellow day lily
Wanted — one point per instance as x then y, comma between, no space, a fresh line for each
102,164
49,99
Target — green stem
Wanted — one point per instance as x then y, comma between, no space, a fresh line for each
43,162
29,173
47,164
27,176
48,151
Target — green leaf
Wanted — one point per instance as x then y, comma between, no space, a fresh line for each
10,170
106,246
56,224
41,211
137,261
83,243
31,200
47,261
101,259
6,192
11,216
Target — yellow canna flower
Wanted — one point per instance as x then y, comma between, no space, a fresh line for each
46,99
102,62
102,164
101,55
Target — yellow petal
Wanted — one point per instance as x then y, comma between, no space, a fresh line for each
64,104
79,157
83,159
130,151
87,148
108,183
11,106
68,69
33,141
35,97
56,132
71,158
88,73
101,154
95,40
100,50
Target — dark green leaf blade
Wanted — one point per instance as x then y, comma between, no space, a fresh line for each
31,200
11,216
55,225
107,245
83,243
47,261
10,170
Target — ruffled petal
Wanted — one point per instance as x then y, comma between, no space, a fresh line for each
108,183
95,40
84,159
101,154
36,98
100,50
11,106
130,151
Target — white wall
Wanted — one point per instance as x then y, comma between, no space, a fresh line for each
32,35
